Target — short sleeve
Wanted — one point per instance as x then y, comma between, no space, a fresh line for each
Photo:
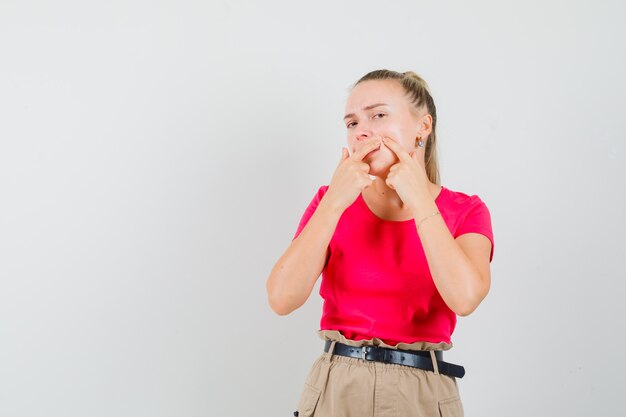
308,212
477,220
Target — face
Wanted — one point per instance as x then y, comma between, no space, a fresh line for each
378,108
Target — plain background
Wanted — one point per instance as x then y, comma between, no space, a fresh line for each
156,157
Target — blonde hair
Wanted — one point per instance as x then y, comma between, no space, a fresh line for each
418,93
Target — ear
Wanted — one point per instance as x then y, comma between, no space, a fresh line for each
425,125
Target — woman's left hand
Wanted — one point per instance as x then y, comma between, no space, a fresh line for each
408,177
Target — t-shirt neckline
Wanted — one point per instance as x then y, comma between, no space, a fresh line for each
375,217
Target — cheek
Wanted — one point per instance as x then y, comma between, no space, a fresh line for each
402,137
393,131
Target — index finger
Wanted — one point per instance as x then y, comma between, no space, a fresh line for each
360,154
396,148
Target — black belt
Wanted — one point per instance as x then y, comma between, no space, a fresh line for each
413,358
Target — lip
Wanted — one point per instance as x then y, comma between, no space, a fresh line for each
370,153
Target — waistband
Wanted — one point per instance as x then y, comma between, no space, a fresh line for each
426,360
327,334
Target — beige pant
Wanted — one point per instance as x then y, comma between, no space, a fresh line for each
341,386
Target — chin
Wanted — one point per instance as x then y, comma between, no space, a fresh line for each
379,169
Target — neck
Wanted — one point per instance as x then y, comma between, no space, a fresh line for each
388,196
380,191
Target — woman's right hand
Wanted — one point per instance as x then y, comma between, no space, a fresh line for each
351,176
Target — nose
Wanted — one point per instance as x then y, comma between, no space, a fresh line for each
362,131
364,134
367,136
364,138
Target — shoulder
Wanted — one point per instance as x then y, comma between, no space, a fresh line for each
463,201
317,197
320,193
471,215
310,208
461,198
464,209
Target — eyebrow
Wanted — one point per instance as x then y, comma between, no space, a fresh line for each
371,106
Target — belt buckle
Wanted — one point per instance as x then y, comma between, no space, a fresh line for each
364,352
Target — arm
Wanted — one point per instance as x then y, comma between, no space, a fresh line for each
459,267
293,276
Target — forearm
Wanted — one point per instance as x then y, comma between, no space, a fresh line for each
295,273
456,278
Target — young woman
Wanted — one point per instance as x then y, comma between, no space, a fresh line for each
401,256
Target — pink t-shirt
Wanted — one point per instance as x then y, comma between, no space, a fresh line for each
376,281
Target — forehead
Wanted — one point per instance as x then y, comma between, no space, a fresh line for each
375,91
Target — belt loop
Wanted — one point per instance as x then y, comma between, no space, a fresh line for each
434,359
329,354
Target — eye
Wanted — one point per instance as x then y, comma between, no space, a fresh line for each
349,125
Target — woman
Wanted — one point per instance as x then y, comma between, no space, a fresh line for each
401,257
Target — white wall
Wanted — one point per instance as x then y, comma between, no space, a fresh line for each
156,156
